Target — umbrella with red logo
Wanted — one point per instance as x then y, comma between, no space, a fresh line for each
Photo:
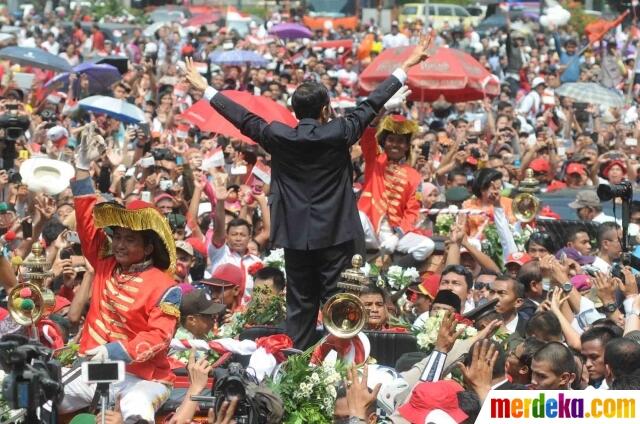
205,117
449,72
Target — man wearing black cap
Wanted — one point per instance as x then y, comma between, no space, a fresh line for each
198,313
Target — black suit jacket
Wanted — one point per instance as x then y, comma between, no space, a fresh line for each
312,202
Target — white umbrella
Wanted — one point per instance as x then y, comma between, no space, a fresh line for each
115,108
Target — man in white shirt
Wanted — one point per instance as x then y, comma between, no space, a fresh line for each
395,38
531,105
51,45
609,246
589,208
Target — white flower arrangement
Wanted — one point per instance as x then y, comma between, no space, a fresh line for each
275,259
427,334
398,278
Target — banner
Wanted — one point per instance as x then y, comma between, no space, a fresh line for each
569,406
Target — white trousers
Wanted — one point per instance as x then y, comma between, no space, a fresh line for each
139,399
417,245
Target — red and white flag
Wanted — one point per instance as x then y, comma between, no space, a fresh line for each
182,131
263,172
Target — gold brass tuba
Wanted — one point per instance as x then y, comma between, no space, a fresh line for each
30,300
526,205
344,315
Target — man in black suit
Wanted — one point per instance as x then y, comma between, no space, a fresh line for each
313,206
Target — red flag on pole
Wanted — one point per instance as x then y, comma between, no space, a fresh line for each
598,29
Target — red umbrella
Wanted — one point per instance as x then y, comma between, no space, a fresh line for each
335,44
206,118
203,19
449,72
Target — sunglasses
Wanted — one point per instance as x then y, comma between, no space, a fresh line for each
481,286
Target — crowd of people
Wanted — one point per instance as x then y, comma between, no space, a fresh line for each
169,233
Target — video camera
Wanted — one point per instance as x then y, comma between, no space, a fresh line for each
33,378
14,125
234,383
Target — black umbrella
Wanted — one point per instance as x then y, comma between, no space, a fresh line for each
122,63
37,58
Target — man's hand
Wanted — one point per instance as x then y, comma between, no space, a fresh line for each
478,375
92,146
194,77
605,287
112,417
45,207
225,414
198,372
358,395
220,187
389,243
419,54
557,299
398,99
447,334
98,354
629,286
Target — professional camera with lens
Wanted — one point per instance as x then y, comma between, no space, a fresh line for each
33,378
14,125
233,384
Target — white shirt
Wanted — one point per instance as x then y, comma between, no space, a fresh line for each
390,41
512,325
601,217
601,265
53,48
530,105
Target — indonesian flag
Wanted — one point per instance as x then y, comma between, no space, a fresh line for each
216,160
182,131
262,171
234,15
180,90
202,67
598,29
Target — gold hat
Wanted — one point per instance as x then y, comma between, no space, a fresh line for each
397,124
140,216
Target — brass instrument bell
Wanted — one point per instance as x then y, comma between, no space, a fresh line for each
344,315
29,300
526,205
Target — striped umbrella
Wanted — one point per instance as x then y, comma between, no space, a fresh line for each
591,92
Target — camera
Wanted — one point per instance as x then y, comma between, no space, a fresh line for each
475,153
14,125
425,149
14,176
607,192
235,383
33,378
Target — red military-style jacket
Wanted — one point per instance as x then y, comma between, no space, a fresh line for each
134,316
389,190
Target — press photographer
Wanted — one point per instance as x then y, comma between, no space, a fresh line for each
32,378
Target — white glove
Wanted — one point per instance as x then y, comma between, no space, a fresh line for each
92,146
397,99
98,354
389,243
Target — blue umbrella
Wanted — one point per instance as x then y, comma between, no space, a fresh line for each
37,58
237,57
115,108
101,77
